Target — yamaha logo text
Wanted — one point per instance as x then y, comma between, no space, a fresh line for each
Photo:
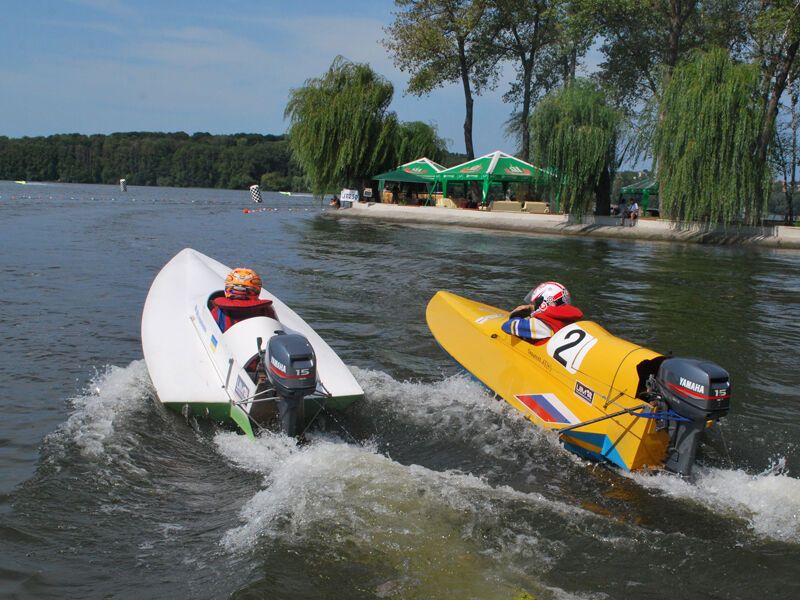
277,364
691,385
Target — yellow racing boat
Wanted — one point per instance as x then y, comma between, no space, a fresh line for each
609,399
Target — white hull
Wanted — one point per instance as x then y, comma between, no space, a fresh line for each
191,362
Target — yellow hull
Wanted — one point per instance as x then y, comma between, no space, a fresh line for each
581,374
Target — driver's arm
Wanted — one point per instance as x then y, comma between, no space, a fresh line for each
528,329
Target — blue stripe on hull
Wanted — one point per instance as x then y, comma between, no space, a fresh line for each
608,452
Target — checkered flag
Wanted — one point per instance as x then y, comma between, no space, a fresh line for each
255,193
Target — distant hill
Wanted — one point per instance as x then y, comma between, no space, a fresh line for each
143,158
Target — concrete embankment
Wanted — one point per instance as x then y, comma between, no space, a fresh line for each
608,227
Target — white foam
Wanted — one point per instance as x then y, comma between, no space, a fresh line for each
457,407
111,395
769,502
332,493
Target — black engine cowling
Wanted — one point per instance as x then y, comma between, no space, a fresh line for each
292,371
699,391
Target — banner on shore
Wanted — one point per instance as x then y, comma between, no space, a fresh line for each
348,196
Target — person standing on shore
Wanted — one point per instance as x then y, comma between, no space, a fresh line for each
622,210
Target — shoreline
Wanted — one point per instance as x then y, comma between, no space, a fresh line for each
647,228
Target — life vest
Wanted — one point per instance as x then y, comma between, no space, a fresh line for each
227,311
558,317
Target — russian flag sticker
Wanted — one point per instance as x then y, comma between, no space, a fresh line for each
548,408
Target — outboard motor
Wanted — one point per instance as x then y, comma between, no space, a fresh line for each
699,391
292,370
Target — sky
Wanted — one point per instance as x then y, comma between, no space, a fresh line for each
220,66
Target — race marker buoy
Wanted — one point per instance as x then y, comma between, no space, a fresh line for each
255,193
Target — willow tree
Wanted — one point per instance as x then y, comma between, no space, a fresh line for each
574,132
416,139
341,132
706,144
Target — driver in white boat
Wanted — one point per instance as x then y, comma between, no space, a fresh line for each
548,308
241,301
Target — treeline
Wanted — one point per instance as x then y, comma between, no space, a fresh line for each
142,158
706,91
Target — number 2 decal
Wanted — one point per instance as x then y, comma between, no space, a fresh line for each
569,347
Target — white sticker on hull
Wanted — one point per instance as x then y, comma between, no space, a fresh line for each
482,320
569,347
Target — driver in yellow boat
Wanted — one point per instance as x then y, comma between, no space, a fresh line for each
548,308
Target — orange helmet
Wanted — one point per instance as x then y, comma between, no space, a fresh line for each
242,284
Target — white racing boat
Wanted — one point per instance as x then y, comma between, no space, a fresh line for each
261,371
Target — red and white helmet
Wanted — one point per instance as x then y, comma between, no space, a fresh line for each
549,293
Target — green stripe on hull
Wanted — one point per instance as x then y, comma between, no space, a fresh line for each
225,412
221,412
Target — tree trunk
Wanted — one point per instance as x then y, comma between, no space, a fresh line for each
527,61
462,61
679,13
771,113
602,193
527,76
793,163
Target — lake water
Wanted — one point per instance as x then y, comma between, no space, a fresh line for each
443,492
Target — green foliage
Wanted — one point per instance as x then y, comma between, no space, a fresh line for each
341,131
642,40
275,182
574,131
445,41
201,160
416,139
430,38
706,141
528,36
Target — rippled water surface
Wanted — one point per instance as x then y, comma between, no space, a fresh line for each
441,492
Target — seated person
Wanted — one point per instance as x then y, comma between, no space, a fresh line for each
633,212
548,308
241,301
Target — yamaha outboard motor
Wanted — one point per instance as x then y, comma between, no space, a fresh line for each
292,370
700,392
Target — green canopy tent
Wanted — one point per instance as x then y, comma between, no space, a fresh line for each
644,188
422,170
496,167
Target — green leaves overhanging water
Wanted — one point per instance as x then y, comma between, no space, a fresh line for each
340,127
574,131
706,142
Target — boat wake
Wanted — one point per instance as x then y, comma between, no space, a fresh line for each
315,484
113,395
457,408
428,527
769,502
